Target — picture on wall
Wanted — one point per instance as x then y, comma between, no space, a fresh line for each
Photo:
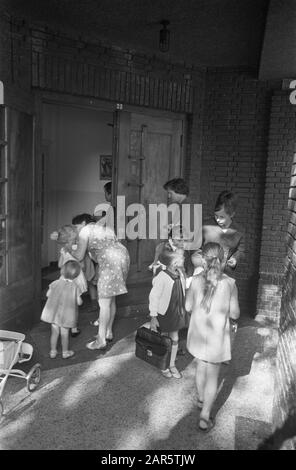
105,167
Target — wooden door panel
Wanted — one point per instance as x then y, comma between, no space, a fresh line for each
20,170
149,154
18,292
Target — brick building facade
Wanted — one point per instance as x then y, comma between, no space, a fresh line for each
240,135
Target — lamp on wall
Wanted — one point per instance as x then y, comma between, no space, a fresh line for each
164,36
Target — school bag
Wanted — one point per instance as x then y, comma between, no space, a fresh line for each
153,348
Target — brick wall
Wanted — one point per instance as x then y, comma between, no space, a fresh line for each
234,153
282,135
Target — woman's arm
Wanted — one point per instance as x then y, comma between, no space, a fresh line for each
79,254
189,297
234,311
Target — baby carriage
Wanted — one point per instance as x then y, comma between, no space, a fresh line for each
13,350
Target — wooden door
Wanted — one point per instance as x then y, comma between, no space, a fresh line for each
149,154
18,254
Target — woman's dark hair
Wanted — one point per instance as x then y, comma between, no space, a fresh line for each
228,200
108,187
79,219
178,185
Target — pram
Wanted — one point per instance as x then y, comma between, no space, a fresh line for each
13,350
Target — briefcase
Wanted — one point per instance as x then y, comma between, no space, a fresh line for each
153,348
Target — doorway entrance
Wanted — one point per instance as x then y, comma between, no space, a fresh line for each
146,150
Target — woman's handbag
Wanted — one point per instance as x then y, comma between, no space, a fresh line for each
153,348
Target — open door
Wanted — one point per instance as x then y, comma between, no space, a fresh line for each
18,256
149,154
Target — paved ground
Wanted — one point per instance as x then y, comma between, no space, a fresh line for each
112,400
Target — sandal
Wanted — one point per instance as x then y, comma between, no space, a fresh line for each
209,422
67,354
53,354
109,338
175,373
167,373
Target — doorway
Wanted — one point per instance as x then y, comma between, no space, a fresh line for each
145,148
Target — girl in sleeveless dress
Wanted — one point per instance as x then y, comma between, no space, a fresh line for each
166,301
212,298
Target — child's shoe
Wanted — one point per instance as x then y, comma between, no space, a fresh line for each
53,354
67,354
167,373
75,332
175,373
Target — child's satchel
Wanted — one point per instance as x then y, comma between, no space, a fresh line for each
153,348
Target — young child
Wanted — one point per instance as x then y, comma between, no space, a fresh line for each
176,240
166,301
225,231
212,298
66,237
61,308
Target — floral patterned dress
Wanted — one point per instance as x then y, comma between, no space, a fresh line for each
112,258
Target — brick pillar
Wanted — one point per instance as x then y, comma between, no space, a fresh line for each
282,138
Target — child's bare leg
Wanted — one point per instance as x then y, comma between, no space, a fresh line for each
174,335
55,333
210,392
65,339
200,379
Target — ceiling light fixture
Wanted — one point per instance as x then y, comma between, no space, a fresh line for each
164,36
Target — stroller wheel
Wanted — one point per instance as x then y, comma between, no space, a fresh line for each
33,377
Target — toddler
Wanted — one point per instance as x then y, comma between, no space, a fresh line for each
61,308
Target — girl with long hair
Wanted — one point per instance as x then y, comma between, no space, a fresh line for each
213,301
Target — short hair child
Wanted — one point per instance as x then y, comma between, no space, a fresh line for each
61,308
71,269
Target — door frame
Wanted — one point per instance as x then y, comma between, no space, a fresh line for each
62,99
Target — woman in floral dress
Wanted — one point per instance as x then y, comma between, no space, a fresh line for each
113,265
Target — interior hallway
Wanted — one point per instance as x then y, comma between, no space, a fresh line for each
112,400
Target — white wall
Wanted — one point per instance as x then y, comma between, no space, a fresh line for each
75,138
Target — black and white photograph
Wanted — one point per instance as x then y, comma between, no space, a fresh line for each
148,228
